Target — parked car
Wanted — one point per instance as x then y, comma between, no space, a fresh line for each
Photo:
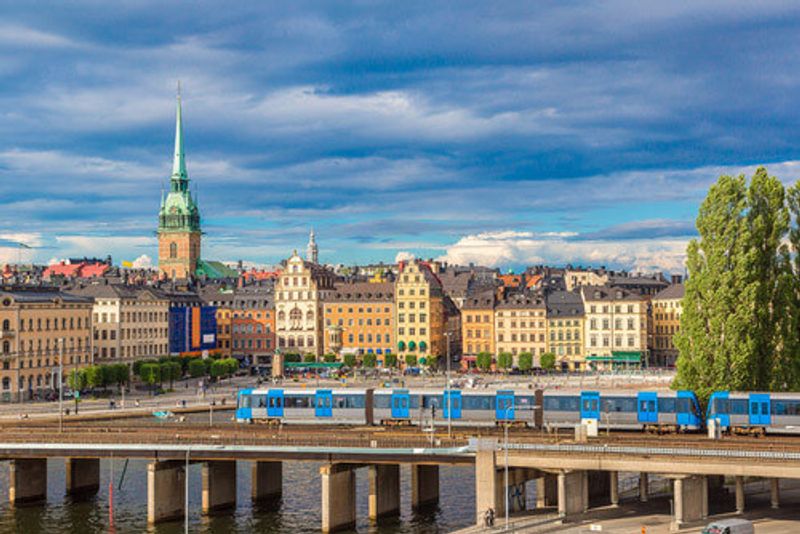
730,526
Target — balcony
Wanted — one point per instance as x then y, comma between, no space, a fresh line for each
7,334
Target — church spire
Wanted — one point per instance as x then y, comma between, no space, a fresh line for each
312,251
179,162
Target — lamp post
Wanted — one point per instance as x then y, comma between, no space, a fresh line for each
447,387
61,385
505,447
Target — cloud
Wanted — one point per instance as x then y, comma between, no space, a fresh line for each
495,249
143,262
404,256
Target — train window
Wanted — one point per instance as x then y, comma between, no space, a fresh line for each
666,405
431,400
381,401
244,401
738,406
301,401
618,404
413,402
721,406
778,408
562,404
478,402
684,405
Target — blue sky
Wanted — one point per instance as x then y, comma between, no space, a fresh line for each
505,133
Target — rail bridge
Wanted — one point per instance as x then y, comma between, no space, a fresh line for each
570,476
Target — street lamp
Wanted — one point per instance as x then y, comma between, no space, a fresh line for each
447,388
61,385
505,447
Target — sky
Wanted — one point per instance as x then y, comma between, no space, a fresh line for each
499,133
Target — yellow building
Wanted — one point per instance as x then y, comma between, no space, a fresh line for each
359,319
419,311
666,318
37,327
521,325
477,323
565,324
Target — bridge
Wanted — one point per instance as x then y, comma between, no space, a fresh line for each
571,476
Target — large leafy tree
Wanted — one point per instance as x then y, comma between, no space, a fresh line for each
733,332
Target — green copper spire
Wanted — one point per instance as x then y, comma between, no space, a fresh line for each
178,211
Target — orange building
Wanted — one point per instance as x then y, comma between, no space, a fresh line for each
477,323
359,319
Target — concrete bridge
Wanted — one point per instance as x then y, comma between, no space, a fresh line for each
570,477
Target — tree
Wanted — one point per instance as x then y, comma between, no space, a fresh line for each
218,369
525,361
432,362
548,361
737,329
120,374
137,366
329,358
170,371
411,360
95,376
484,361
76,380
232,365
310,358
390,360
505,360
150,373
369,360
350,360
197,368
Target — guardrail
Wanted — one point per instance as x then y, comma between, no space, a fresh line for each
651,451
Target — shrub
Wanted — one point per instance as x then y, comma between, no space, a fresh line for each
525,361
548,361
309,358
329,358
411,360
390,360
483,361
432,362
350,360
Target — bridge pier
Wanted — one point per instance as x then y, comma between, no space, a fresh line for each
424,485
338,497
547,491
690,503
267,481
644,483
613,481
774,493
27,480
219,485
599,483
82,475
573,493
165,491
739,495
384,491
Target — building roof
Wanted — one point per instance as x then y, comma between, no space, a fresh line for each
521,300
480,300
39,294
562,304
674,291
362,292
607,293
215,270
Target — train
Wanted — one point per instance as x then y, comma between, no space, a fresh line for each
662,411
755,412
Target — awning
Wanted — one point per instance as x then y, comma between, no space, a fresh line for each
617,357
313,365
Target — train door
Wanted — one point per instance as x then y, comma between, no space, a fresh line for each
323,405
685,409
647,407
759,409
275,403
504,406
452,403
400,404
590,405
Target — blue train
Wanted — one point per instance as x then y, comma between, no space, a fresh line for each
755,412
671,411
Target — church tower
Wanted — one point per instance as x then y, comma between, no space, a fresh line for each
311,250
178,219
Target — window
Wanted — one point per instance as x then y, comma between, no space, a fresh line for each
173,250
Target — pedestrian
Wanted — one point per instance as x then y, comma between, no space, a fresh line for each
491,517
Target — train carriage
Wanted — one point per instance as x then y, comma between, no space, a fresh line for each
305,406
755,412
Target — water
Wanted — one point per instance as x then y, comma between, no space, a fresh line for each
298,512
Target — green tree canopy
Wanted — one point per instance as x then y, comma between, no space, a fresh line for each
349,360
484,361
548,361
329,358
505,360
150,373
197,368
369,360
738,326
525,361
411,360
390,360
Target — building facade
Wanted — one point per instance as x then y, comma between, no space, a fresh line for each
253,325
179,233
565,327
477,324
615,327
37,328
359,319
299,293
419,310
667,307
192,325
521,325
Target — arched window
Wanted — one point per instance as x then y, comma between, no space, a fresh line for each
295,319
310,316
173,250
281,315
6,347
6,324
6,383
